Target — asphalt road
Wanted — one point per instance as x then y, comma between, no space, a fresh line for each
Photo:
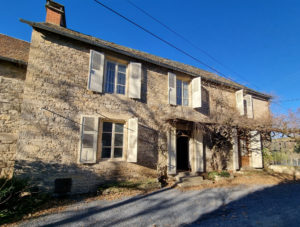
277,205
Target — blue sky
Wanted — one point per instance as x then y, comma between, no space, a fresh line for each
260,40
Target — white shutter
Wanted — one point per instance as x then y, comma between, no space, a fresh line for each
95,81
239,97
172,88
132,140
255,146
196,93
89,139
135,80
235,146
172,151
198,146
249,102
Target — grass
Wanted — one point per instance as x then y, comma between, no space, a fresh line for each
213,174
118,187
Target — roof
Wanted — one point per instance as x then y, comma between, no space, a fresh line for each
14,50
170,64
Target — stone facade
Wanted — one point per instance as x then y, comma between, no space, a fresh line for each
11,91
56,80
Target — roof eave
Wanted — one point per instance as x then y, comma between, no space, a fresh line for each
44,27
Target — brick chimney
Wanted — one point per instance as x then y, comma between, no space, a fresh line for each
55,13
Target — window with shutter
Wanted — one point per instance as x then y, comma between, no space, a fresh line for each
249,106
112,140
182,93
115,78
132,140
196,93
95,80
135,80
172,88
239,97
89,136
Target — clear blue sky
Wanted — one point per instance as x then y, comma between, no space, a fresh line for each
260,40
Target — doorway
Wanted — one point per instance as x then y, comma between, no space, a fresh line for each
244,152
182,151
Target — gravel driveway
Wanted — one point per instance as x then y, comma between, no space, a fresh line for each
277,205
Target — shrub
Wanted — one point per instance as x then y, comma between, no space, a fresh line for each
267,157
18,198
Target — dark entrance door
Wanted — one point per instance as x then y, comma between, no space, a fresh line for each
182,153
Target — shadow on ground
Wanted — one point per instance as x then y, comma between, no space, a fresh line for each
273,206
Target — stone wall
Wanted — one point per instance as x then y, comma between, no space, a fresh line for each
56,78
11,90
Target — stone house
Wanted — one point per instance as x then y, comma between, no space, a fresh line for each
13,64
94,111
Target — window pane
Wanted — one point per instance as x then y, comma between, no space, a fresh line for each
106,152
107,127
185,102
119,127
106,139
122,68
185,97
88,124
118,152
121,78
118,140
87,141
179,92
110,77
121,89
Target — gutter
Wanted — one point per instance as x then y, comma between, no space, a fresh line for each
94,43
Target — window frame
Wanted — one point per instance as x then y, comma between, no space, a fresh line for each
116,63
187,83
112,147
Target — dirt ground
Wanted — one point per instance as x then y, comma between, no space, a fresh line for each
257,177
240,178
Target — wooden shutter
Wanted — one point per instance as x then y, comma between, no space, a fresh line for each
196,93
235,146
132,140
198,146
248,99
135,80
89,138
239,97
172,151
95,81
255,146
172,88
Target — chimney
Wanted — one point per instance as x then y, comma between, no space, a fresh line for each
55,13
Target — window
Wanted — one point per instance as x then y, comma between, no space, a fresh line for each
115,78
112,140
182,93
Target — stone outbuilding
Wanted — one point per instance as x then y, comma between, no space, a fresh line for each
94,111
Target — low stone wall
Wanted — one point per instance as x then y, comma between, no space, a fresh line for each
290,170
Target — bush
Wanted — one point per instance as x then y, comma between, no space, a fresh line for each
18,198
267,157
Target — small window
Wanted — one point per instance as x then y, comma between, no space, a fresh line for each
112,140
115,78
182,93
